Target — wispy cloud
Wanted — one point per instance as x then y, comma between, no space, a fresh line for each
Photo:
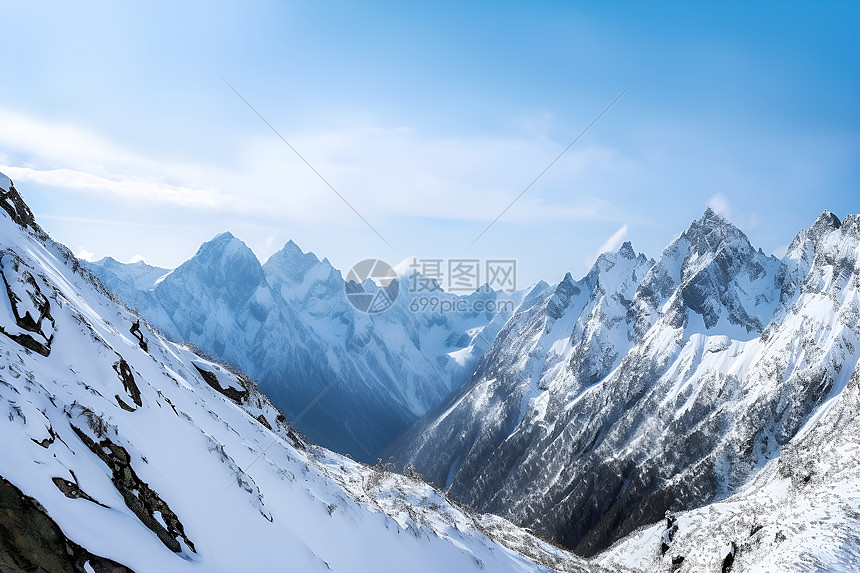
91,221
136,188
612,243
720,205
83,253
780,251
383,171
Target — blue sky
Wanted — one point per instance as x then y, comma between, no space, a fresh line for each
429,118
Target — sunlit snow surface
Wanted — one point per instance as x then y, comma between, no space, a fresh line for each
250,499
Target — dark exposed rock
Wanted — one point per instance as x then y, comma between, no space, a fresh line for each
566,289
122,404
14,204
136,332
669,535
824,224
45,443
12,269
31,541
123,370
729,559
72,491
299,440
138,496
237,396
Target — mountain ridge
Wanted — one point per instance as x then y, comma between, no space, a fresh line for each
288,324
589,447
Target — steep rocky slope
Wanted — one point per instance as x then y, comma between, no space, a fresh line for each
725,354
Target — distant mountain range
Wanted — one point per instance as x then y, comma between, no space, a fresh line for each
288,324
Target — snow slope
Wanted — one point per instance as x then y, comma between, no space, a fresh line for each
125,452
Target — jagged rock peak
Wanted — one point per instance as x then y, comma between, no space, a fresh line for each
823,225
851,225
224,237
293,264
14,204
711,231
627,251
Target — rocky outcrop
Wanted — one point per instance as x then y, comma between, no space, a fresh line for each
31,541
138,496
12,202
27,319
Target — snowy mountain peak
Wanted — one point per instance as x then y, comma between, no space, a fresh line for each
292,265
712,215
225,249
851,225
291,250
709,278
107,262
606,261
711,232
823,225
224,274
110,262
665,399
221,242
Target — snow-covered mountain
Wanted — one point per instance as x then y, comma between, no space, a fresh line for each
125,452
288,324
654,386
800,513
580,324
698,413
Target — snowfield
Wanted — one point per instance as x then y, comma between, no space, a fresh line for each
150,458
